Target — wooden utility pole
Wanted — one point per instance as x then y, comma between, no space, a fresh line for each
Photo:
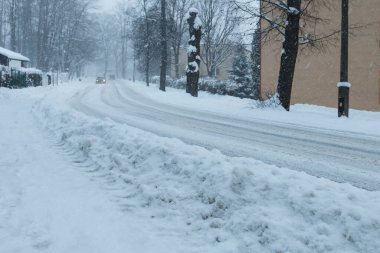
164,46
193,52
344,85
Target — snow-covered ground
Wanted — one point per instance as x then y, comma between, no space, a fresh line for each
71,182
363,122
309,139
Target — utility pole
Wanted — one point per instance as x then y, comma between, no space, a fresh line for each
164,47
344,85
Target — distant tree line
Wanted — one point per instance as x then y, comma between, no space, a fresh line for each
221,35
148,38
54,34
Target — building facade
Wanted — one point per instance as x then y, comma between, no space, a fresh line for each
317,72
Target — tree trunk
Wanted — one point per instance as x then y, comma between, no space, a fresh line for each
193,59
176,63
164,46
27,30
147,64
1,22
123,75
289,53
43,35
147,44
256,63
12,18
123,48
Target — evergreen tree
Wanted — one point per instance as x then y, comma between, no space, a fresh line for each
256,63
240,73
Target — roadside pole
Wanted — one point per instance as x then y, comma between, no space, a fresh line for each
344,85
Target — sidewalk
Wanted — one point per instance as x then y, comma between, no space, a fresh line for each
49,204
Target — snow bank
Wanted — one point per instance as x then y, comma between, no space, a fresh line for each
316,117
230,204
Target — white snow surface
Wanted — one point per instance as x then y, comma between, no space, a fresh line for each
191,49
193,10
343,84
363,122
70,182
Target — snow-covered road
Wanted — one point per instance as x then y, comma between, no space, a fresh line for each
339,155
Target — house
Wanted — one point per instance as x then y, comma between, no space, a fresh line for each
12,59
14,72
317,73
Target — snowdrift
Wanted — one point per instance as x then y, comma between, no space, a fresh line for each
230,204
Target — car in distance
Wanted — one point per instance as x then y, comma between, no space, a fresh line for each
101,80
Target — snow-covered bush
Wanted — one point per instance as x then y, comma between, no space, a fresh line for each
19,77
156,79
214,86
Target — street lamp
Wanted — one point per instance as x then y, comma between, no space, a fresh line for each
344,85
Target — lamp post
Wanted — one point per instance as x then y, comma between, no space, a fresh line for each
344,85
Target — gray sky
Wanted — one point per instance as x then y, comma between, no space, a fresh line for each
107,5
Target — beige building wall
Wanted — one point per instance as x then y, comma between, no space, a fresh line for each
317,73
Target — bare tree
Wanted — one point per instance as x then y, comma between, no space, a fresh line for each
50,32
106,28
2,12
282,21
289,52
177,28
147,41
27,30
43,33
12,18
219,22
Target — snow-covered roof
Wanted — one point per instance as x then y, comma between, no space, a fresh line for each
13,55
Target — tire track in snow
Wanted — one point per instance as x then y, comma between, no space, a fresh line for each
353,159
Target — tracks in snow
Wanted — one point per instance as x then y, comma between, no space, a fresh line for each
342,157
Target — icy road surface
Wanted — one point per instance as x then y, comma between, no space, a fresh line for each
342,156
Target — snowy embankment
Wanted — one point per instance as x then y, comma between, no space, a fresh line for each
323,118
220,203
48,203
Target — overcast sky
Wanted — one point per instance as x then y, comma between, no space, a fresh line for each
108,5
